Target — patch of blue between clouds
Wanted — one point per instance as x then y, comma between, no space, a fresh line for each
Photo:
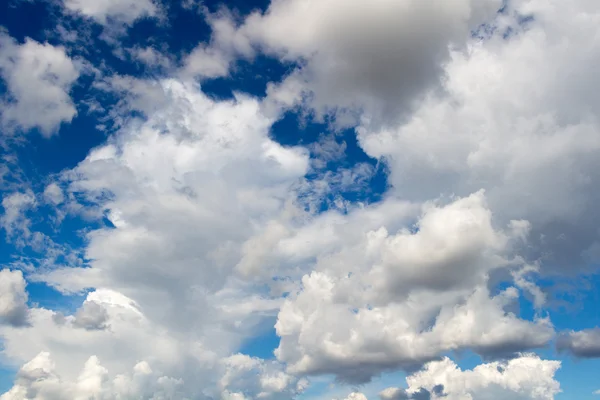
264,344
248,77
295,129
7,377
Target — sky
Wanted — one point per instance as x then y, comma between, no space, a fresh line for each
299,199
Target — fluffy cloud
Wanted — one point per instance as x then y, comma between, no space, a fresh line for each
526,377
54,194
266,380
38,380
386,300
13,298
183,190
38,78
214,59
584,344
105,11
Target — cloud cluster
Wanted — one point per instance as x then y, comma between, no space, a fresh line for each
184,189
381,298
38,379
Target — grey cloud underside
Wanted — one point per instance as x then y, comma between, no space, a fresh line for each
91,316
420,394
584,344
378,57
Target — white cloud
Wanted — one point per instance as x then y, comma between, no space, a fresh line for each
38,379
150,57
184,190
524,378
54,194
38,78
356,396
380,300
14,219
266,380
103,11
214,59
13,298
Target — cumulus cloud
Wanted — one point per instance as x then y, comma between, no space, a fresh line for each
267,380
129,336
38,77
381,301
13,298
526,377
38,379
585,344
183,189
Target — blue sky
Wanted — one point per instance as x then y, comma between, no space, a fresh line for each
321,200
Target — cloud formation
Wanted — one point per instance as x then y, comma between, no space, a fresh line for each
199,231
